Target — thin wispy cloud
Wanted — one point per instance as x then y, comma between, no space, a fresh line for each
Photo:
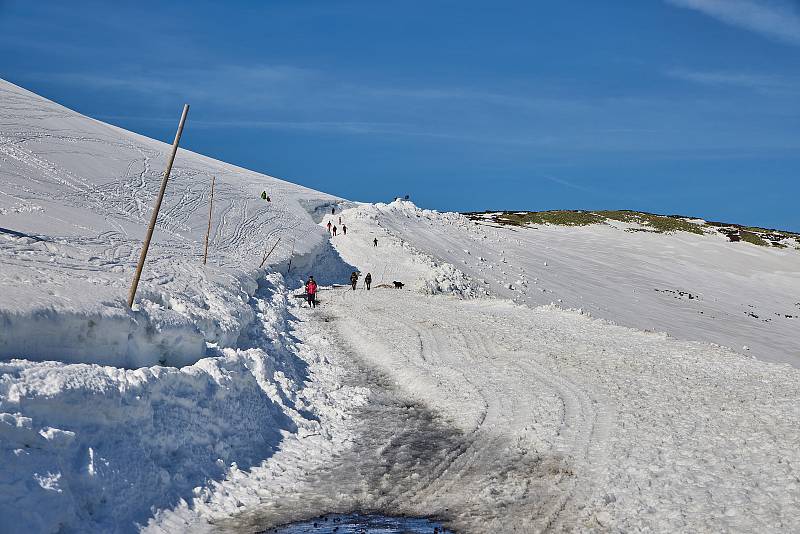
567,183
530,118
776,19
317,126
761,83
198,82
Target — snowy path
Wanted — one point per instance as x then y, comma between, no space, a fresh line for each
573,423
493,416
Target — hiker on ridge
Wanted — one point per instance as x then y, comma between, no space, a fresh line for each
375,242
368,280
344,229
329,227
334,230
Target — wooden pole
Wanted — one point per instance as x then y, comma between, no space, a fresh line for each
291,255
154,217
264,259
208,230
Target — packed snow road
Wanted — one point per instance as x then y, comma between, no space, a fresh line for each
574,424
496,417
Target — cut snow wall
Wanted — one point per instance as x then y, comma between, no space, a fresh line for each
119,339
166,329
88,448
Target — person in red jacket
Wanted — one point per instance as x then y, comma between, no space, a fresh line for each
311,292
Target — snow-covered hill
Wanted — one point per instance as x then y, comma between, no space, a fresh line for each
221,404
91,437
698,287
75,198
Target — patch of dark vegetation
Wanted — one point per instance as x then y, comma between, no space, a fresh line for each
731,233
559,217
752,237
646,222
754,234
658,223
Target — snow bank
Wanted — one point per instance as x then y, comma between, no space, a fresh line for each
446,279
92,448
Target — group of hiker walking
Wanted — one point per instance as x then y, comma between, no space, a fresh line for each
311,285
354,280
312,288
332,228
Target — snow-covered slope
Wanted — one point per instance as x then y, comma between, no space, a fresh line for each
454,397
75,198
498,417
696,287
90,439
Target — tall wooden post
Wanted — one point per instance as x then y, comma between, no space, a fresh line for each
154,217
291,255
266,254
208,230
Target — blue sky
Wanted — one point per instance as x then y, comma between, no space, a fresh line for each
670,106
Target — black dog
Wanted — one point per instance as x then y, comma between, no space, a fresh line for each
398,285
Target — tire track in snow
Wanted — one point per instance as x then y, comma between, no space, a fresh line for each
467,372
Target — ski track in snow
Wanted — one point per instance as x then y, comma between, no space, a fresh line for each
75,198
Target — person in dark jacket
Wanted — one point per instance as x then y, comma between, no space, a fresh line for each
375,242
263,195
354,280
344,229
334,230
368,280
329,227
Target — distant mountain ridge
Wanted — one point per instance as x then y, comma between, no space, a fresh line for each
643,221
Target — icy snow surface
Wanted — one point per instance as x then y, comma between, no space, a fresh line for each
445,399
690,286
